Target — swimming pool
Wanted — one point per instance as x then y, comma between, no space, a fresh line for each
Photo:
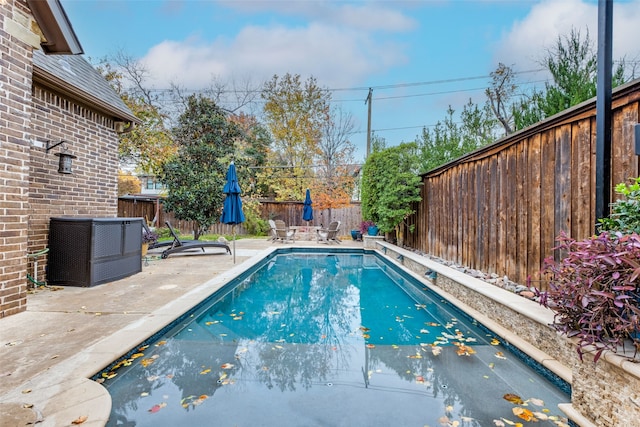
336,338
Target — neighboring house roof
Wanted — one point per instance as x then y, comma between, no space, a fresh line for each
57,35
74,77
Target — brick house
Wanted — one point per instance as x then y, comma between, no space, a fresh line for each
49,94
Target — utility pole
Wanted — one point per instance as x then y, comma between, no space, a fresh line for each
368,101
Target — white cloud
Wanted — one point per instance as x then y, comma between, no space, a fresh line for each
336,56
526,42
370,16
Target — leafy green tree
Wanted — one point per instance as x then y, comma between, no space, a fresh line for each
196,176
572,63
449,140
295,112
390,186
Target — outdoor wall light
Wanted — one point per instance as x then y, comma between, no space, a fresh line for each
66,158
431,274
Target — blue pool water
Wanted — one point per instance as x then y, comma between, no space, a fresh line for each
328,339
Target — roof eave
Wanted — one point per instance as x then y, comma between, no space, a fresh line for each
46,79
56,27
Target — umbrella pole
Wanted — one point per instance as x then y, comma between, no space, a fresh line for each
234,243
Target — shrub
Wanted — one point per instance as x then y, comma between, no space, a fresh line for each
625,213
364,226
593,291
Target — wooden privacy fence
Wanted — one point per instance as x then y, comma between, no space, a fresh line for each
150,207
500,208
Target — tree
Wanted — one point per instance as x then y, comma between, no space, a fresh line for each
334,177
128,184
196,175
148,145
572,63
295,113
499,95
390,186
449,140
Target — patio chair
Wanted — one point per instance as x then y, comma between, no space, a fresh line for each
283,233
329,234
178,245
272,229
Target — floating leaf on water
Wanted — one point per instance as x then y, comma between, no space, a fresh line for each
81,419
144,394
432,324
498,423
159,343
495,341
443,421
278,346
421,306
135,356
511,423
366,336
523,413
513,398
156,408
152,377
541,416
500,355
143,348
464,350
395,346
237,318
420,379
492,365
370,346
449,408
146,362
436,350
424,331
227,366
223,335
537,402
364,329
205,371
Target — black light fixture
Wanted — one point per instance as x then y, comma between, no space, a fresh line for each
66,158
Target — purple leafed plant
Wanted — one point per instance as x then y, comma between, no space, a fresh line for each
594,291
364,226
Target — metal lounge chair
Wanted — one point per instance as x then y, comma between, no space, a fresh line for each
283,233
329,234
187,245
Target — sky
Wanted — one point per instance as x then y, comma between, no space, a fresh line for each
418,56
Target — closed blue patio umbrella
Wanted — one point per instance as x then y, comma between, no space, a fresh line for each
307,211
232,207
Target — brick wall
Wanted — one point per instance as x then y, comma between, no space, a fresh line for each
91,190
31,189
15,112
